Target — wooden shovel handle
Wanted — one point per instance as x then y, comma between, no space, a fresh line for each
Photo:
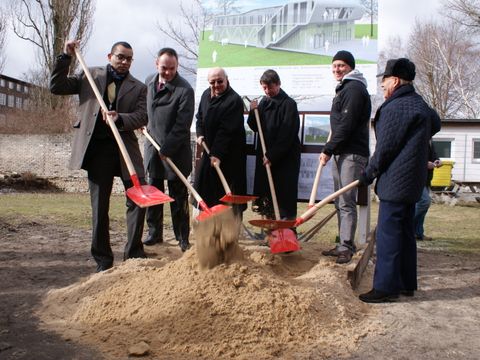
111,123
267,167
310,212
219,171
170,163
313,194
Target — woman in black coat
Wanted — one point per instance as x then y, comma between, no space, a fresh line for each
280,125
220,124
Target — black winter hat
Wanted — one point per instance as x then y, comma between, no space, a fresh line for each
346,56
402,68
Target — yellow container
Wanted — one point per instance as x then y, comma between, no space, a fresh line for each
442,176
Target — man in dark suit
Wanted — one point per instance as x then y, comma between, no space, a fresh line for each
94,147
170,106
403,126
220,125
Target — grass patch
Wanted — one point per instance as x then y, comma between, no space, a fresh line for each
239,55
362,30
454,229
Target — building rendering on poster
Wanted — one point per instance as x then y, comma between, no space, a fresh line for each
298,40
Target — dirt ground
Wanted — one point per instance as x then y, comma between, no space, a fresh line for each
296,306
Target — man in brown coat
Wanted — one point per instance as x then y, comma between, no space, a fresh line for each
94,148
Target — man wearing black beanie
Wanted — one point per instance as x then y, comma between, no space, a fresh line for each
348,146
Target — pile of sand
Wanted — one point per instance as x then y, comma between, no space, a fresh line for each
248,309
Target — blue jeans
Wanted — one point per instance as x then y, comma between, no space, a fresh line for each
421,208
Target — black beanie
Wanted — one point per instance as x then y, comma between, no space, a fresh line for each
346,56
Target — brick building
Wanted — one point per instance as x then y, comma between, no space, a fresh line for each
14,95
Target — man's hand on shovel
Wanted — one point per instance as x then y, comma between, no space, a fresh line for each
113,114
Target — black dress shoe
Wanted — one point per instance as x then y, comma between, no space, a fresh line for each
376,296
151,241
331,252
184,245
344,257
101,268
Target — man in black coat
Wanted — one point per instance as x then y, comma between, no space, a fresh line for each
220,125
348,146
170,107
280,124
404,125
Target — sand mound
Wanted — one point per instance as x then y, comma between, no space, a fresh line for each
241,310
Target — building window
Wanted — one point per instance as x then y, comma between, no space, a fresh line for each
476,151
2,82
25,89
11,85
3,99
11,100
19,87
443,147
18,102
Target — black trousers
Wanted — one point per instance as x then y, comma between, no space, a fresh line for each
102,163
179,210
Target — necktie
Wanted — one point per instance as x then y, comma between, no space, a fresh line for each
160,86
111,92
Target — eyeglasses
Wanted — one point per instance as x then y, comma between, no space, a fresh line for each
219,82
123,58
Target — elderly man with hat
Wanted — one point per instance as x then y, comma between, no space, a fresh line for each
348,147
403,124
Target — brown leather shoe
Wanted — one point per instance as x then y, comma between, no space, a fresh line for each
331,252
344,257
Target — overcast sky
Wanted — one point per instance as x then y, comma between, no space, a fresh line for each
135,22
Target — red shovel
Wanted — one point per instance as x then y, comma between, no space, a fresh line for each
228,197
206,212
307,215
284,239
142,195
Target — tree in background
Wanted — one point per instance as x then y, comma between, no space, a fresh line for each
371,8
3,31
447,75
464,12
195,19
46,24
186,34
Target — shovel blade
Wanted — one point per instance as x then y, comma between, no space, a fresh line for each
283,241
237,199
272,224
147,195
213,211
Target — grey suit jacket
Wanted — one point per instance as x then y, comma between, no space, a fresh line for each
131,107
170,115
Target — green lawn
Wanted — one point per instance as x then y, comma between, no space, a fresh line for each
238,55
454,229
365,30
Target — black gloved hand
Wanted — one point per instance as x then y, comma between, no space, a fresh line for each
363,180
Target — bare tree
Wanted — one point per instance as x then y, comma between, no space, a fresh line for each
3,31
464,12
48,23
371,8
196,17
186,34
227,6
442,52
